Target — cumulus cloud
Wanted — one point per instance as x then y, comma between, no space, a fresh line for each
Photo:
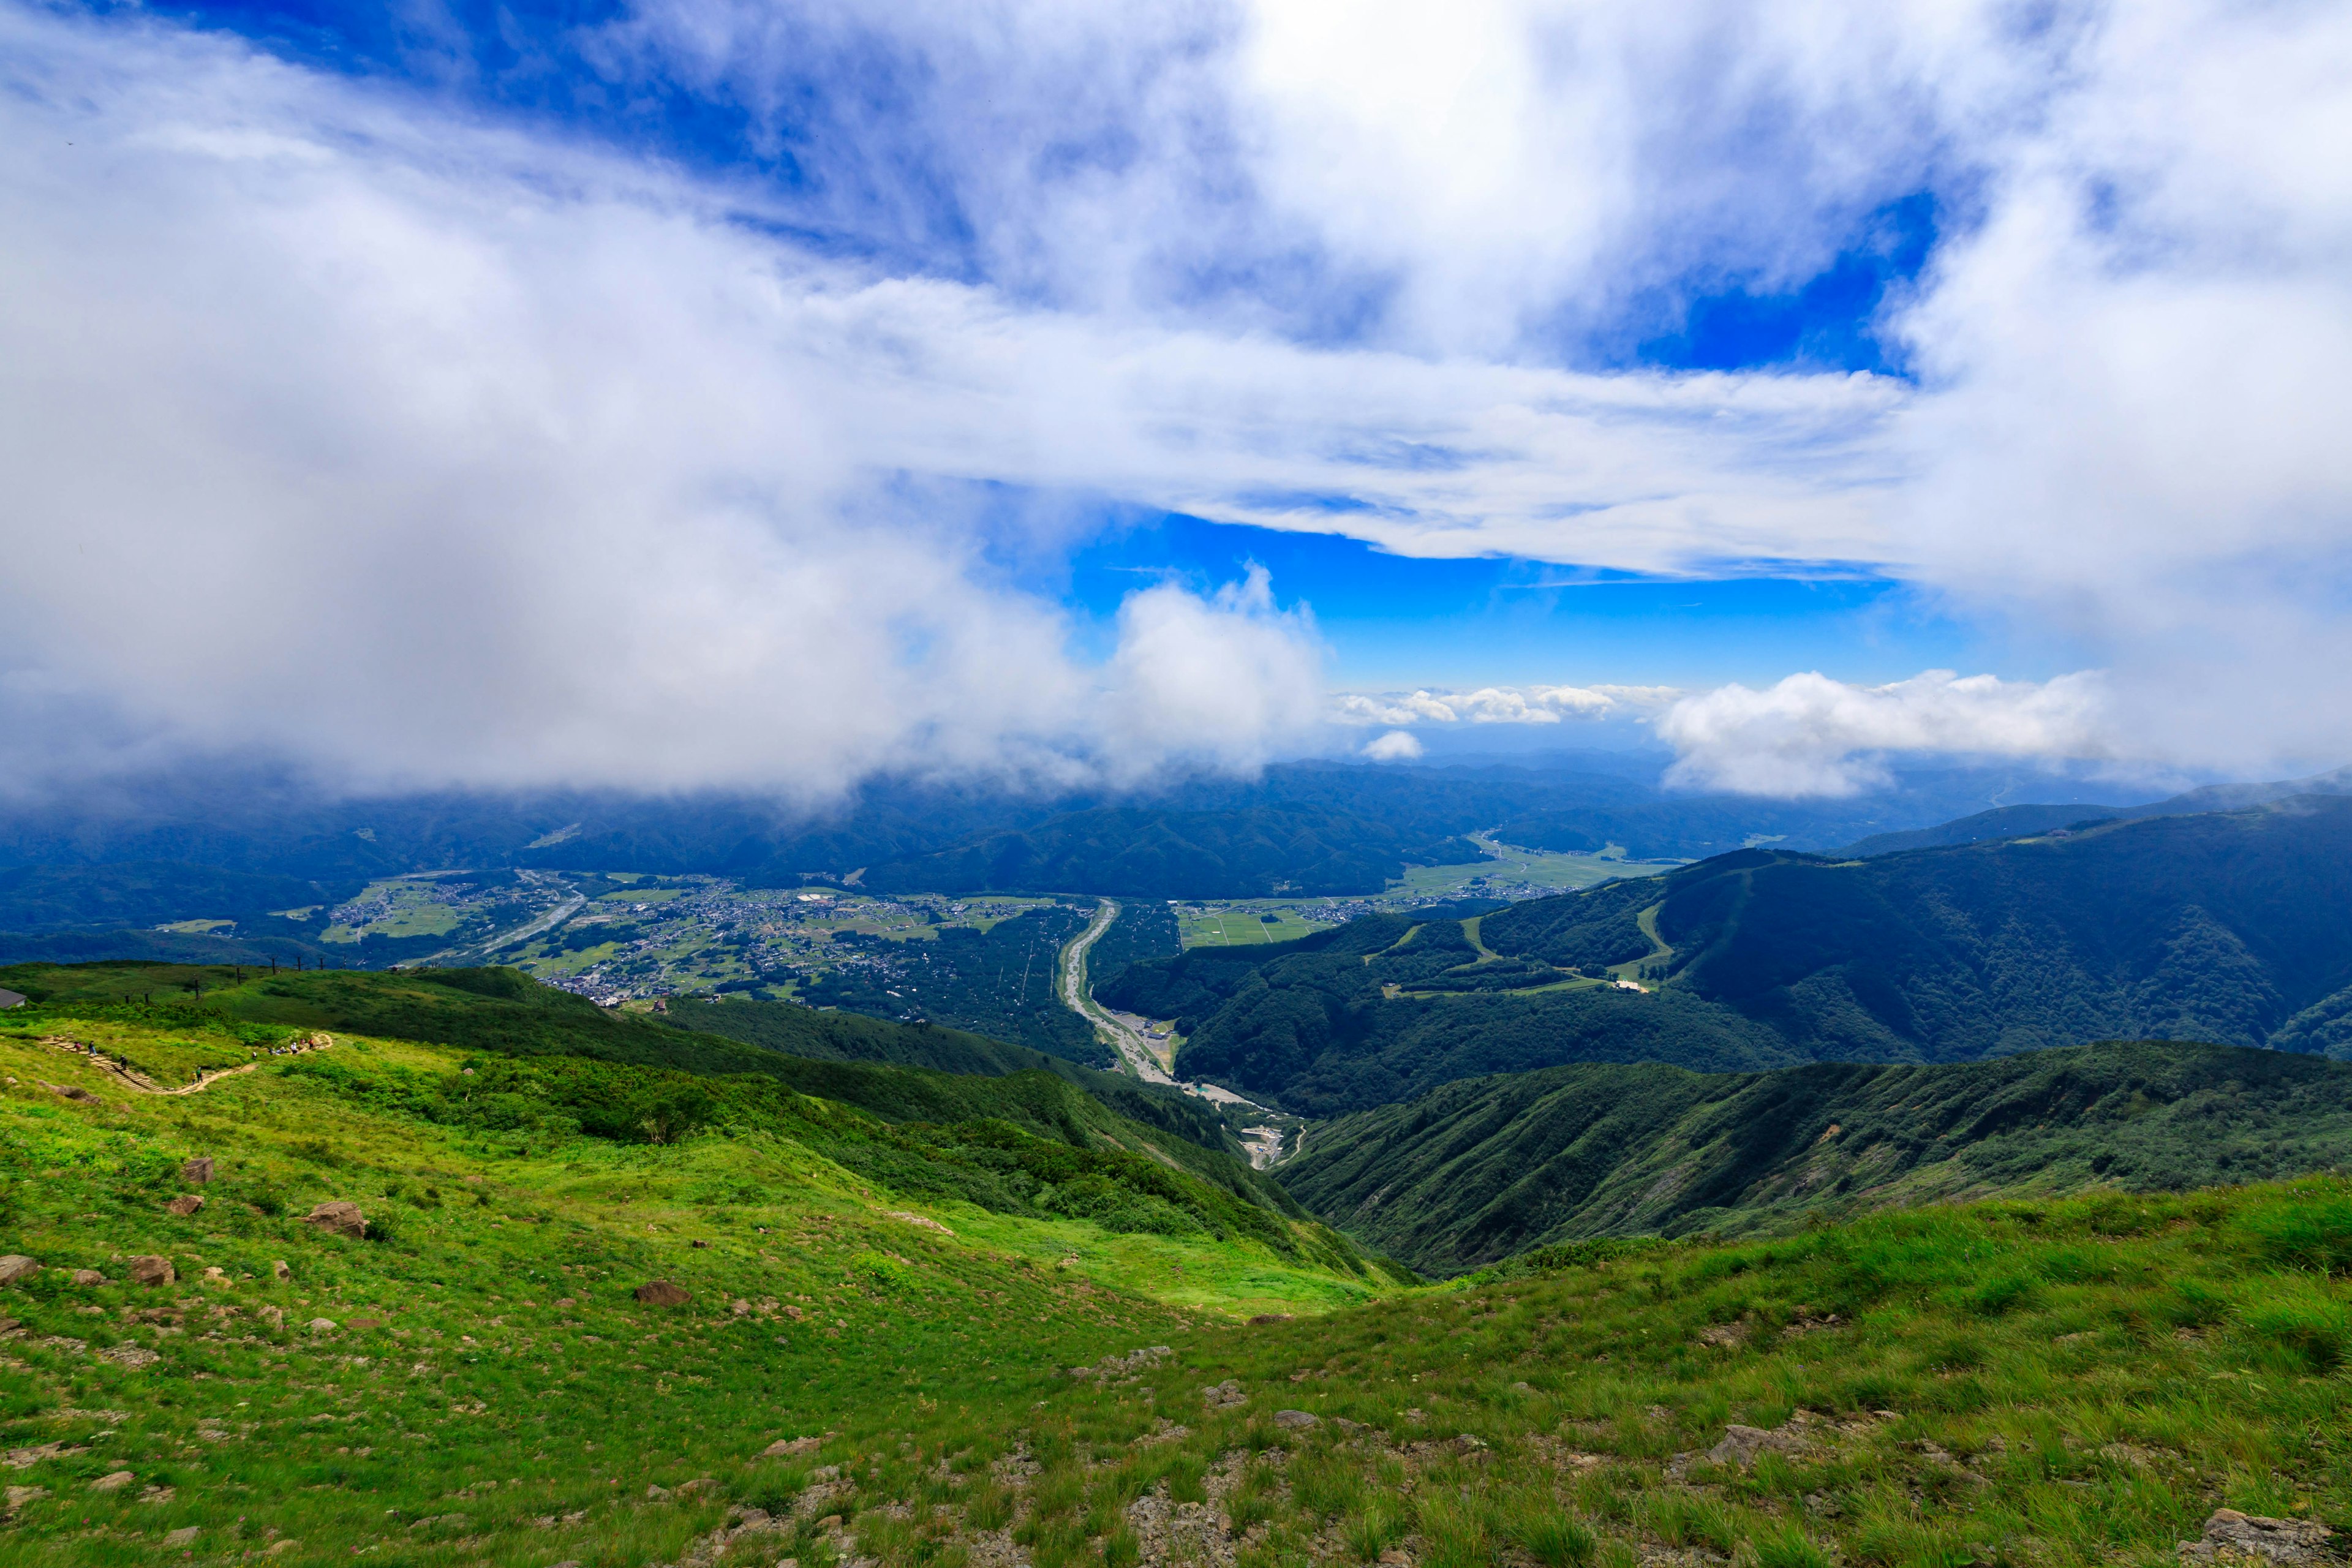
336,435
1396,746
1809,735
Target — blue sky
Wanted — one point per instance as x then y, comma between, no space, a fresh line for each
986,385
1397,622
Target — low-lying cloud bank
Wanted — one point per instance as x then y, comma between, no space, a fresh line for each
1809,735
1806,735
1500,705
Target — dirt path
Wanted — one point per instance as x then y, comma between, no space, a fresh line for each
139,1082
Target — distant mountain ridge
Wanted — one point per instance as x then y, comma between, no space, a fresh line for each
2021,821
1299,828
1486,1167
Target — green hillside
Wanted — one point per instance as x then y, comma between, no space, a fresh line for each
1487,1167
2002,822
2233,927
843,1057
789,1027
853,1369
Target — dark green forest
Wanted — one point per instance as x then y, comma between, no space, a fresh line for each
1145,929
1486,1167
999,981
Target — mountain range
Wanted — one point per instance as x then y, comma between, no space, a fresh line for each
141,853
2230,927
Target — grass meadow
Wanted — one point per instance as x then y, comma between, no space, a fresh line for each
2056,1384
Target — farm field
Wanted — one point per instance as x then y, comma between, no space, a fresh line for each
1242,924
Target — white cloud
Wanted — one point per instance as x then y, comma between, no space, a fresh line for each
340,423
1809,735
1501,705
1396,746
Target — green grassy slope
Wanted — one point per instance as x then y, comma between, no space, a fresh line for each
786,1026
505,1011
2233,927
2060,1384
1486,1167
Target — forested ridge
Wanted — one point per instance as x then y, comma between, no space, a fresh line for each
2229,927
1483,1168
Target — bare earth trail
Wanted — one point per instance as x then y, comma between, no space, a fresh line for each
139,1082
1264,1142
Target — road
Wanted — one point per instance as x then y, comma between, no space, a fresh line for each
1079,998
1265,1142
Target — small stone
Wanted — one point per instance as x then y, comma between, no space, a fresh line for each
280,1272
150,1269
184,1205
661,1293
1394,1558
321,1325
130,1358
1740,1444
1224,1395
339,1217
19,1496
199,1171
182,1536
699,1484
1297,1420
88,1276
217,1275
15,1267
783,1447
739,1307
2290,1542
114,1481
656,1494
